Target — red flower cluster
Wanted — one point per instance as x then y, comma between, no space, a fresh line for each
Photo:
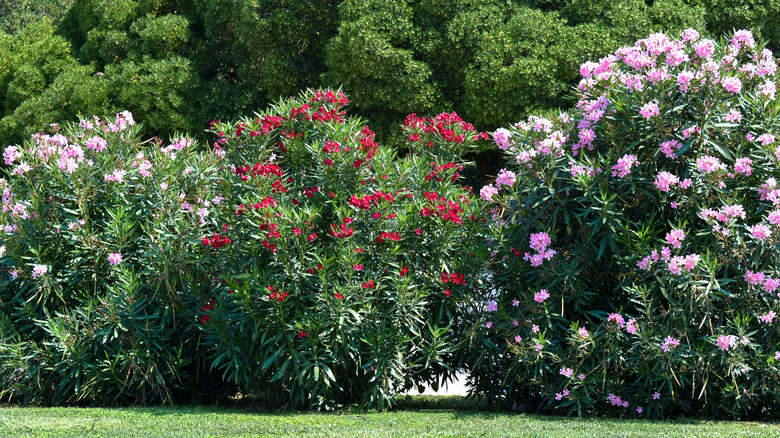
369,285
448,210
365,202
208,307
443,125
330,97
342,231
339,296
216,241
453,278
270,123
259,169
436,169
276,295
333,147
389,236
303,110
404,270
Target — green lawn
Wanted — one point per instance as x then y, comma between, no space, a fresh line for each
212,422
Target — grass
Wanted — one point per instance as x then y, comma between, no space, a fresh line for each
221,422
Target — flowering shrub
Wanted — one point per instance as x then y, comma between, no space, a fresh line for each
637,270
343,272
100,276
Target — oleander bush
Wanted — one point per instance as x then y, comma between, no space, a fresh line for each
344,273
636,269
101,271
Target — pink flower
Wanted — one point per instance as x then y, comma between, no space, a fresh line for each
581,376
726,341
568,372
704,48
39,270
649,110
760,231
541,296
766,139
624,165
487,192
670,148
743,166
506,177
488,324
639,409
96,143
583,332
492,306
777,355
665,180
540,241
617,319
675,238
732,85
774,217
768,317
11,154
518,339
515,302
501,137
114,258
734,116
754,278
708,164
670,343
535,328
632,327
656,395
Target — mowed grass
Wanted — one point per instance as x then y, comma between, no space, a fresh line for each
221,422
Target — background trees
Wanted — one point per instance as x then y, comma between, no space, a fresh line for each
179,64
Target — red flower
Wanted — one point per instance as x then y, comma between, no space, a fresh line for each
447,293
339,296
404,270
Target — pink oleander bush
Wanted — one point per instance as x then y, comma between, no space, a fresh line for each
101,277
635,269
342,273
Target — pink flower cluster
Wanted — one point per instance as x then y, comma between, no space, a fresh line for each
675,238
502,138
726,341
541,296
624,165
615,400
709,164
767,283
670,343
539,242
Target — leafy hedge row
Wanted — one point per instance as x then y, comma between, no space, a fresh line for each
624,263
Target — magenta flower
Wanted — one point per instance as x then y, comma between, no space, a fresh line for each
501,137
669,344
726,341
760,231
114,258
656,395
675,238
665,180
39,270
487,192
541,296
732,85
649,110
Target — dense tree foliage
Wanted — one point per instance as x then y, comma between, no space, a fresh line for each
180,64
